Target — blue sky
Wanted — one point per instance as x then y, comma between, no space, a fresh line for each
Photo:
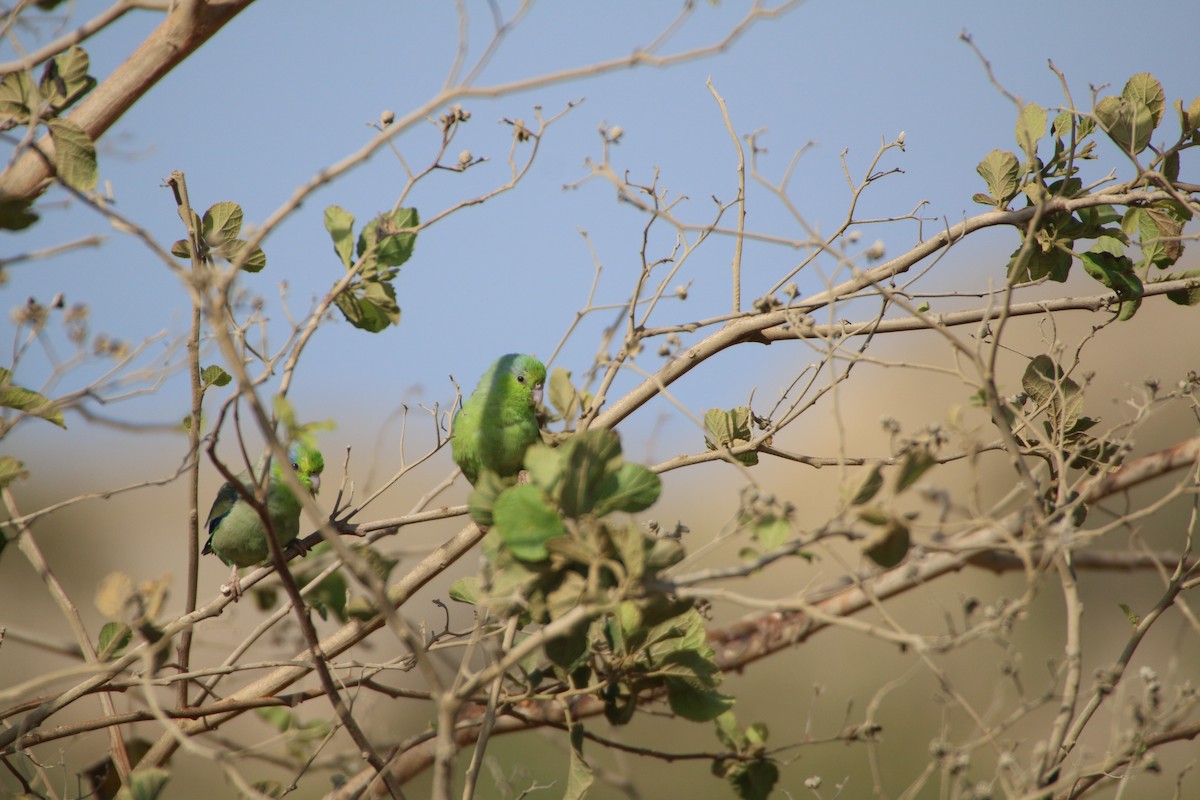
286,90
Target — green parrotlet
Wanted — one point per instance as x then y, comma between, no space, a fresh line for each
497,424
235,529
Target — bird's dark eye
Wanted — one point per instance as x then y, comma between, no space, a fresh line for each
521,378
296,465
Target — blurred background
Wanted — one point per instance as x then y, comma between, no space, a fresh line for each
282,92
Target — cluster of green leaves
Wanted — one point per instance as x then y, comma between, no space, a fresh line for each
23,102
751,774
27,403
890,536
369,300
553,547
217,237
332,595
1060,400
1129,120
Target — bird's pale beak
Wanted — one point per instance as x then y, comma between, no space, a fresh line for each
537,395
316,483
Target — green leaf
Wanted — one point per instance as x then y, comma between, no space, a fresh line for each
587,459
232,250
213,375
563,396
772,531
1129,123
74,155
729,733
15,215
18,96
1116,272
222,223
753,780
11,470
571,649
868,486
1031,127
1184,297
65,79
277,717
331,594
182,248
28,401
370,306
114,638
697,705
1133,618
632,488
1001,171
917,462
466,590
340,224
1145,89
888,546
730,429
579,774
525,522
382,236
144,784
1042,262
1050,388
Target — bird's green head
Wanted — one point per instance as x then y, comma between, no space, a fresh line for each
308,463
522,375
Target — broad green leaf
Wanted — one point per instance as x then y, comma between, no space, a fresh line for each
277,717
213,375
1144,88
11,470
1130,615
370,306
730,428
340,224
632,488
570,650
74,155
466,590
917,462
383,237
15,215
729,733
697,705
1184,297
114,638
1001,171
65,79
1115,272
1031,127
331,594
525,522
772,531
28,401
888,546
587,459
579,773
562,394
182,248
870,484
753,780
1050,388
232,250
144,784
1050,262
1193,115
18,96
222,223
1129,123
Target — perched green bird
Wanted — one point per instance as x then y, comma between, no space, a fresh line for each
235,529
497,424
